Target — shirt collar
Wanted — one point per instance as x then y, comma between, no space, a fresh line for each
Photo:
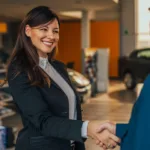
43,62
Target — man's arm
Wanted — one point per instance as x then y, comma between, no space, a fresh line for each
121,130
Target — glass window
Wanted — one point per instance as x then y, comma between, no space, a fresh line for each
144,54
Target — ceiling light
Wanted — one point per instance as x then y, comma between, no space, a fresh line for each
76,14
116,1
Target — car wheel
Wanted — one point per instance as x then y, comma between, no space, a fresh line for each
129,81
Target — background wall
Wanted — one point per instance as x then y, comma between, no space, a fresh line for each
106,34
103,34
69,48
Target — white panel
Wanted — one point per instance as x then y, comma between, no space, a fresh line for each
102,69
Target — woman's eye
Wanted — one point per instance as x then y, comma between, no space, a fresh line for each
43,29
56,31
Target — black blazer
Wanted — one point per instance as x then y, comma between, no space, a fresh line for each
45,113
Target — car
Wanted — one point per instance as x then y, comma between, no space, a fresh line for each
81,84
134,68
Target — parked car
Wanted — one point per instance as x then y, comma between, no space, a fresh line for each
81,84
135,68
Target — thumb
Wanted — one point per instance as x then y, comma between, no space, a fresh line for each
102,127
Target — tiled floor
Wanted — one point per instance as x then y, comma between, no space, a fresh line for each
114,105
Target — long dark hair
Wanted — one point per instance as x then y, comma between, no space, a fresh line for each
25,54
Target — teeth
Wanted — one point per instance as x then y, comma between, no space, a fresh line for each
48,43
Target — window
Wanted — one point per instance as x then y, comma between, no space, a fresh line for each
145,54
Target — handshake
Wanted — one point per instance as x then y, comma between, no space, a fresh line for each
103,133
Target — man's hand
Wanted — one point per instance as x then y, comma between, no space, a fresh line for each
108,140
103,138
111,127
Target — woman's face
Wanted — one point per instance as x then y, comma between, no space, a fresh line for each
44,37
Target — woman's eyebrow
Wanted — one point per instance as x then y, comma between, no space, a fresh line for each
56,28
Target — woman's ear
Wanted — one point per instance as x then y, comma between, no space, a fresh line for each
28,30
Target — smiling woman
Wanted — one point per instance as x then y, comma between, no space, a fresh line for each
42,91
38,37
44,37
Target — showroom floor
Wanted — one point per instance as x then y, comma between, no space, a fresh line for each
114,105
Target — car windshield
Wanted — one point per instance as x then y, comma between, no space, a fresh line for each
144,54
140,53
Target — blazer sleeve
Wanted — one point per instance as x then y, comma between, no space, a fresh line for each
121,130
36,111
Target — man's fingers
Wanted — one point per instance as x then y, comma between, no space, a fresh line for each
100,144
104,147
97,142
111,144
115,138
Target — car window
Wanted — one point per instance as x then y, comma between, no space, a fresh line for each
144,54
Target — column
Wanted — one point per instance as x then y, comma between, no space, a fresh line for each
128,26
85,34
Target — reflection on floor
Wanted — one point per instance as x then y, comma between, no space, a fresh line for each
114,105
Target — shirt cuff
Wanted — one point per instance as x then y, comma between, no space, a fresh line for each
84,129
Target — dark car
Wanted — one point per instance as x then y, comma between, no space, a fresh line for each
135,68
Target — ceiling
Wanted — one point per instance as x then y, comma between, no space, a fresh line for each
16,9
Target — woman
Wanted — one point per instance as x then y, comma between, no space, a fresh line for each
48,104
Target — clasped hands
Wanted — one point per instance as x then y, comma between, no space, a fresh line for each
103,133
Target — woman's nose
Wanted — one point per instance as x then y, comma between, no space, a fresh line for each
50,35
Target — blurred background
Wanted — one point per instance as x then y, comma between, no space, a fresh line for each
105,45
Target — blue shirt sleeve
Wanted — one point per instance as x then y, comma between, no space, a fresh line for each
121,130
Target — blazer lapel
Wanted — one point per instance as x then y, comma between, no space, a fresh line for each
61,72
64,74
53,82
